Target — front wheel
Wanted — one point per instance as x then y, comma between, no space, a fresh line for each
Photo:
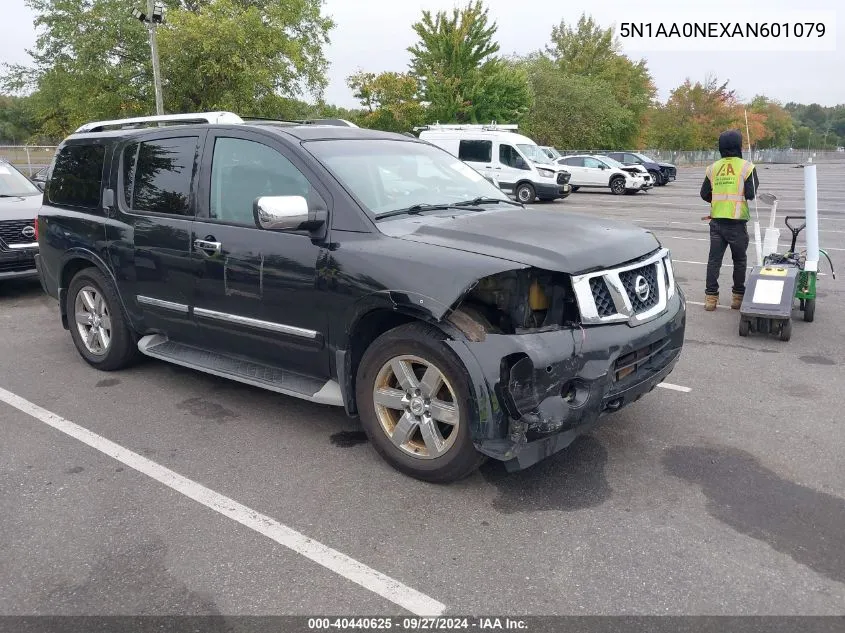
525,193
413,397
97,325
617,186
657,177
786,330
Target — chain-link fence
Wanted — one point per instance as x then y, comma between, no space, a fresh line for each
762,156
28,158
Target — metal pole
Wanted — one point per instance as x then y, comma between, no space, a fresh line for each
154,51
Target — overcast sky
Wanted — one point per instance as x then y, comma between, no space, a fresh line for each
374,35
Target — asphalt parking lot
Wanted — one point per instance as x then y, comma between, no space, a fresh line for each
722,495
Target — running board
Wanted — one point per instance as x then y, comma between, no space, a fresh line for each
241,370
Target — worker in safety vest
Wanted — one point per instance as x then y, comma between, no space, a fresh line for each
729,184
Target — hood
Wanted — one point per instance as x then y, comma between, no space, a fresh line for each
20,208
666,165
551,240
730,144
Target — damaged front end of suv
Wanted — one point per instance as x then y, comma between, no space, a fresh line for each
549,353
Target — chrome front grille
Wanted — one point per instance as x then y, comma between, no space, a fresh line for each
12,231
634,293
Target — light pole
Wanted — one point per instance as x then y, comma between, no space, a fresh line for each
152,18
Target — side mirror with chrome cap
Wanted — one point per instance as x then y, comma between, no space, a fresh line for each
287,213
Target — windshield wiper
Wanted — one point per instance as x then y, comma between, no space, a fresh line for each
475,202
419,208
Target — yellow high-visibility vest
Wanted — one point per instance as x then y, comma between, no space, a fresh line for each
727,181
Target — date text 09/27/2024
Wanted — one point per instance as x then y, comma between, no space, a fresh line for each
417,624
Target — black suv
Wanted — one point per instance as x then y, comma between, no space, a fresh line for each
661,173
361,269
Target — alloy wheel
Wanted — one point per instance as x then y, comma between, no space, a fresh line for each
93,321
416,407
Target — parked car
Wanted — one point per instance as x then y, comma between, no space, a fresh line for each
662,173
19,204
636,170
361,269
593,172
519,166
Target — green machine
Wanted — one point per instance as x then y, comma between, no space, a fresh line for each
782,279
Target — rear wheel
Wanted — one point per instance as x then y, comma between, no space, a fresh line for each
786,330
809,310
525,193
744,327
413,396
97,325
617,186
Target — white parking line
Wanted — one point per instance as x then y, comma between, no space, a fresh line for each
707,239
687,261
671,387
341,564
701,303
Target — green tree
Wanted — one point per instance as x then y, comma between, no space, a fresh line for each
777,124
588,50
16,123
389,100
91,59
460,76
573,111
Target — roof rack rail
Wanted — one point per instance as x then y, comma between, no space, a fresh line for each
492,126
194,117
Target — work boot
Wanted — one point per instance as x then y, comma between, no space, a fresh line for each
710,302
736,301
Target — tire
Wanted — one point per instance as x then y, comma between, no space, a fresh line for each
617,185
744,327
809,310
786,330
525,193
657,177
415,346
575,188
112,345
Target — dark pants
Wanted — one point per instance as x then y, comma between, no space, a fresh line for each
724,233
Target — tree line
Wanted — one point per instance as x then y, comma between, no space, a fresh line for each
265,58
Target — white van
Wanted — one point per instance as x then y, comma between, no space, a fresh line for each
516,161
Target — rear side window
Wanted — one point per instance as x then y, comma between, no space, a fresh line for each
476,151
157,175
77,178
575,162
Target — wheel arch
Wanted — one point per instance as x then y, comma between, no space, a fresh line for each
74,261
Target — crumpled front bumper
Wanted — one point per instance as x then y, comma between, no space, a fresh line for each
536,393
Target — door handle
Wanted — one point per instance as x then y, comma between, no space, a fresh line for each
208,246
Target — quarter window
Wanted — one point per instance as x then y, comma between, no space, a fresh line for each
157,175
476,151
77,178
242,171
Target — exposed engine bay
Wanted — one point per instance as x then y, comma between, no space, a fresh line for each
519,301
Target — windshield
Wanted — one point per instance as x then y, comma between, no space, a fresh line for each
14,183
551,152
534,153
645,158
610,162
388,175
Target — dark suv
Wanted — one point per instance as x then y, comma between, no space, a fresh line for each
356,268
661,173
